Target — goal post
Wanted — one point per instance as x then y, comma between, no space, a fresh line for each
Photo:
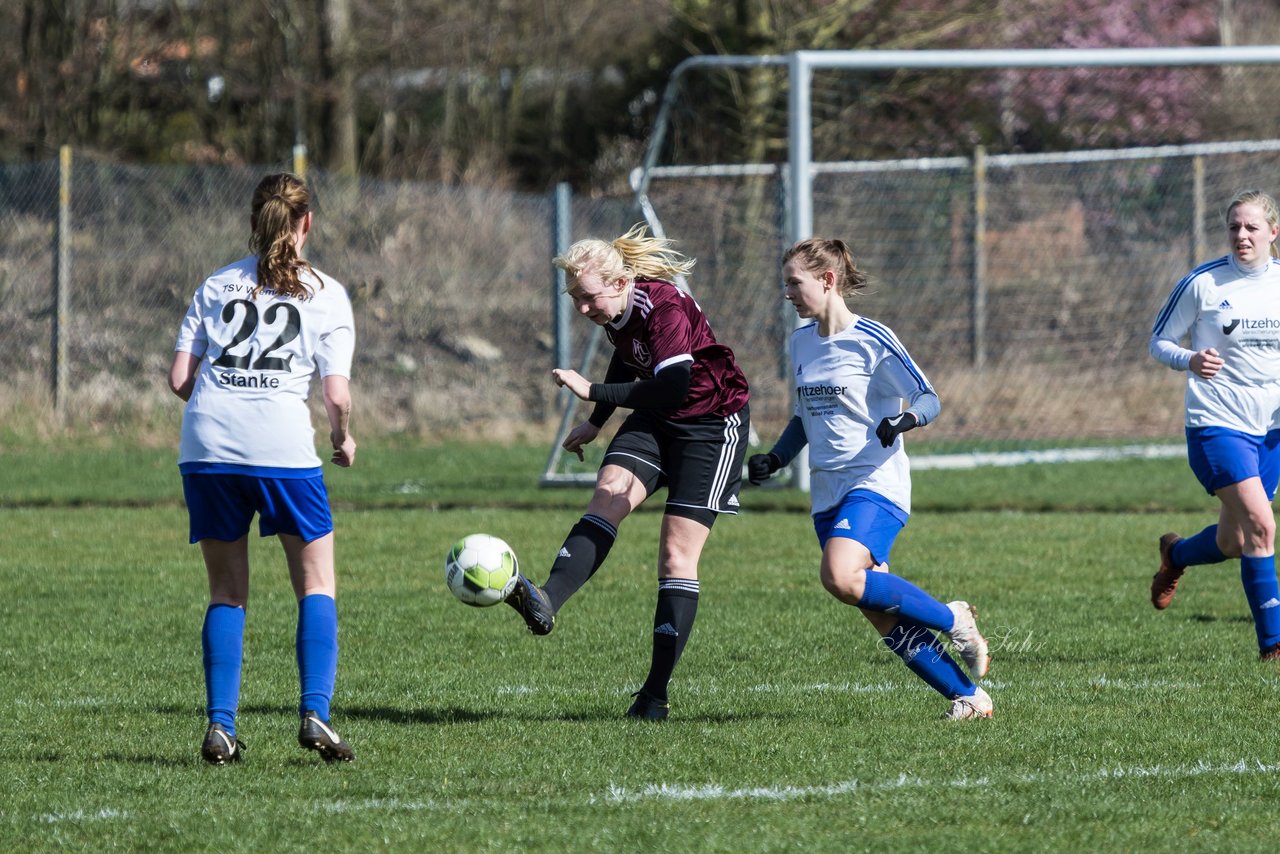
1064,208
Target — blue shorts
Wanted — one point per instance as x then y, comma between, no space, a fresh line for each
221,506
1220,457
866,517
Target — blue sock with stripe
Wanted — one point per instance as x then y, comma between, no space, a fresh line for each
317,648
892,594
1258,575
926,657
1198,549
222,641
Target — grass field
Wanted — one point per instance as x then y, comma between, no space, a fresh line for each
1117,728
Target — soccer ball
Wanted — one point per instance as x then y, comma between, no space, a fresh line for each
480,570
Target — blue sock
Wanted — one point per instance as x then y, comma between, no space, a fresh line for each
222,639
928,659
317,646
1199,549
892,594
1258,574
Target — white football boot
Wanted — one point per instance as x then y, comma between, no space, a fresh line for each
970,708
968,641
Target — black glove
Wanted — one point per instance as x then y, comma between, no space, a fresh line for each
761,466
890,427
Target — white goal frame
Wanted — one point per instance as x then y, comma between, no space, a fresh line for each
801,168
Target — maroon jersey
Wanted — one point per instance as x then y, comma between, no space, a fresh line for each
663,325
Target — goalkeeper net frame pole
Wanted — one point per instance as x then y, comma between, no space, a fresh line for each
800,169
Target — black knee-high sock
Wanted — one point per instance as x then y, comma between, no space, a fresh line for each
672,624
583,551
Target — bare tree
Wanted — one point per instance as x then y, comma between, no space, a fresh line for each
337,65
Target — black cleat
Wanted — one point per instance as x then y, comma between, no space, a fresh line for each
319,736
220,747
532,604
648,708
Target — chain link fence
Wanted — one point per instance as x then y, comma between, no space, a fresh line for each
452,286
1033,323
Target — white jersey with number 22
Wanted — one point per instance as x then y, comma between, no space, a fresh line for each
248,406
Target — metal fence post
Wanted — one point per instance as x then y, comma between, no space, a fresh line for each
300,169
61,286
800,149
561,229
300,161
1199,244
979,319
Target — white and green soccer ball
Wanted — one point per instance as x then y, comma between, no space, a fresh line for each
480,570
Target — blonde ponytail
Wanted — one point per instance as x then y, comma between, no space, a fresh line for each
634,255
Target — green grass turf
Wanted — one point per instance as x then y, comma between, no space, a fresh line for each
454,476
1116,728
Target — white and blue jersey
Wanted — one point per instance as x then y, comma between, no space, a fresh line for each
846,384
248,410
1236,311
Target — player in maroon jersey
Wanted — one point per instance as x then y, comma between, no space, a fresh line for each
687,432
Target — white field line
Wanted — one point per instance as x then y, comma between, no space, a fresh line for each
905,684
81,815
618,795
1141,684
694,690
664,791
391,805
713,792
827,688
923,462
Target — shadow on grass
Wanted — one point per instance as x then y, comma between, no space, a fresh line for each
458,715
1214,618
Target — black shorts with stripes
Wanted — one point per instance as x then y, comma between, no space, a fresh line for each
699,461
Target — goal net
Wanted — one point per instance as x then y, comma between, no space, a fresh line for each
1022,214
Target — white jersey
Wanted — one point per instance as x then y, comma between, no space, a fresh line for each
1236,312
257,356
845,385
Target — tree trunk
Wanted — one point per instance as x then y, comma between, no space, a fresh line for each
340,81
